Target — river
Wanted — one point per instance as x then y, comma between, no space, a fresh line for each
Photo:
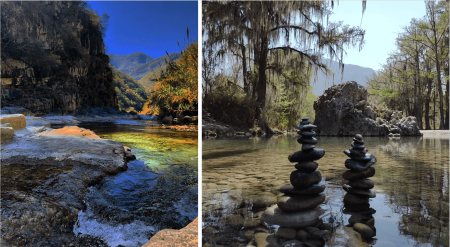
158,190
411,182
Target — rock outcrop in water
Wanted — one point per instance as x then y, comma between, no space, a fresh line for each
296,211
359,188
53,57
44,181
343,110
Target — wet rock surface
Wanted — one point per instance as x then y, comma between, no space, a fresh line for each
44,181
343,110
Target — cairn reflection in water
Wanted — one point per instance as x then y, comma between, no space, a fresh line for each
296,212
359,188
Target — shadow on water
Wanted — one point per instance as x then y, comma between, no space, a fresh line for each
411,182
221,154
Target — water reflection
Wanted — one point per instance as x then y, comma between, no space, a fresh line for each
411,182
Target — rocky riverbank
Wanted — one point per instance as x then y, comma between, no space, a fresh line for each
45,177
50,186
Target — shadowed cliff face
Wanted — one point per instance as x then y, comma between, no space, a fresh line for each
53,57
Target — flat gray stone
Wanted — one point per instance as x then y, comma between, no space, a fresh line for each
359,192
302,180
358,166
307,140
275,216
307,166
352,176
295,203
311,190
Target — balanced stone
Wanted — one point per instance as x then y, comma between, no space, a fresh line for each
310,190
294,203
358,141
307,127
358,152
352,176
307,166
364,184
275,216
307,140
358,166
358,146
305,121
306,133
350,199
302,180
364,230
365,157
306,147
365,193
299,156
358,137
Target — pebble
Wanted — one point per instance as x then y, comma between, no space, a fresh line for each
287,233
364,230
365,193
300,156
354,200
307,140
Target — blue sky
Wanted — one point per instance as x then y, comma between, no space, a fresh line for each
382,20
150,27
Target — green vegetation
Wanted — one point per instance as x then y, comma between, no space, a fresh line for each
149,80
414,75
131,96
250,61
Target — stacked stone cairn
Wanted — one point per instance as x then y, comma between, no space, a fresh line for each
297,212
359,188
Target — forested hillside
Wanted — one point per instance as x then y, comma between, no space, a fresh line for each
351,73
131,96
415,78
138,64
53,57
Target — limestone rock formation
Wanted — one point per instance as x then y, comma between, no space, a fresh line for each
53,58
343,110
45,179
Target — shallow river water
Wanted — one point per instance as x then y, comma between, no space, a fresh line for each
128,208
411,183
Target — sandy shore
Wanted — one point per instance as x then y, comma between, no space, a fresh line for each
444,134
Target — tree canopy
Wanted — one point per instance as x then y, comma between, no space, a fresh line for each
272,40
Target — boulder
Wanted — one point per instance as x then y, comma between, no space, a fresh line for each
7,134
15,121
167,119
16,110
187,236
343,110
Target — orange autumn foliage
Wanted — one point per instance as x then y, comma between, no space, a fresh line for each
176,89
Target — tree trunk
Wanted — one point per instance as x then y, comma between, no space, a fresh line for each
446,124
262,86
427,101
244,70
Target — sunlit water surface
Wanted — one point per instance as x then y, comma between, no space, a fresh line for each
411,183
117,207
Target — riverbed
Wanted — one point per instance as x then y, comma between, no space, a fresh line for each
157,191
411,182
